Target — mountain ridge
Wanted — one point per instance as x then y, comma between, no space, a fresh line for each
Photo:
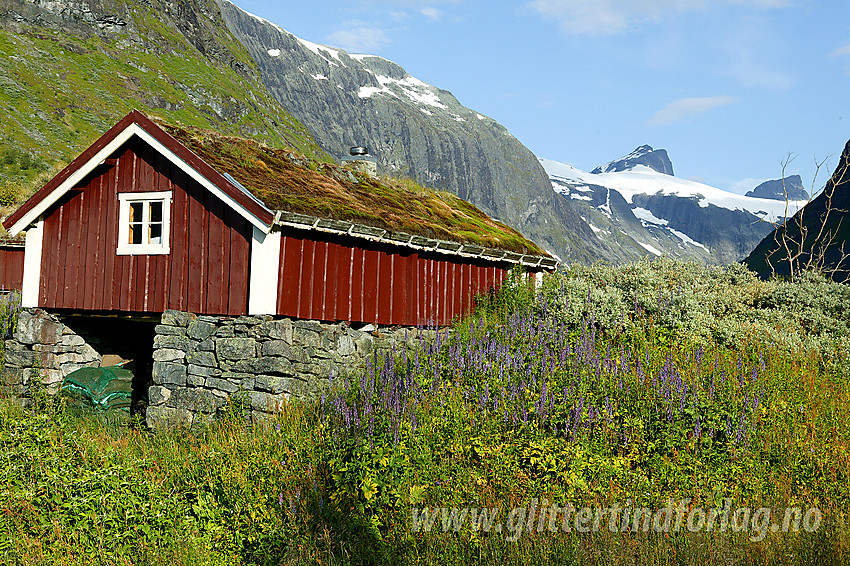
790,188
655,159
675,216
413,129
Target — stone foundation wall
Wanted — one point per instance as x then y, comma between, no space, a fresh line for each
202,365
257,362
44,350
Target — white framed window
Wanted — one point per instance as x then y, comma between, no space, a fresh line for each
144,223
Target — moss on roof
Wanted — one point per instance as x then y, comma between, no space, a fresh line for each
285,180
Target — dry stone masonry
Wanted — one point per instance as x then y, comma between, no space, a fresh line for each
202,366
42,350
205,365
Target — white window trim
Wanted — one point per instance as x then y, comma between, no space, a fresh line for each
125,248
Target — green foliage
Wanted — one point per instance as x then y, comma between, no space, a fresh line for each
727,305
570,395
10,304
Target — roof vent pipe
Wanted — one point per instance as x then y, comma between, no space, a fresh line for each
358,159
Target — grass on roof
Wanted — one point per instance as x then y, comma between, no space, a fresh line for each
285,180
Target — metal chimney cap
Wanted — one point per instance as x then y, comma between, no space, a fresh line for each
359,150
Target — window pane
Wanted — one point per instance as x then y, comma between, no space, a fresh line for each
156,211
135,212
155,233
135,233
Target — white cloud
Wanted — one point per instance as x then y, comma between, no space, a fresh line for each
684,108
842,51
359,39
609,17
431,13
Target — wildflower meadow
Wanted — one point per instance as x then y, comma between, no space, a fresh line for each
628,386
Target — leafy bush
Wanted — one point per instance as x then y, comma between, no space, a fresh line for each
724,305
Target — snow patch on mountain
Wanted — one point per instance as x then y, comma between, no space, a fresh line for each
651,249
687,239
322,51
641,180
646,217
414,89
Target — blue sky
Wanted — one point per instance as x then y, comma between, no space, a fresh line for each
728,87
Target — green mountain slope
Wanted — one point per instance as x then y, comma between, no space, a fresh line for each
70,70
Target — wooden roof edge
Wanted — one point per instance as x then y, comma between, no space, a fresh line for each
307,222
250,205
12,243
66,172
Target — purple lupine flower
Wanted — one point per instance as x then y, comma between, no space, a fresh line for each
740,432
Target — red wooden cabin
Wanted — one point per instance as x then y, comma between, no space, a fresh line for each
138,223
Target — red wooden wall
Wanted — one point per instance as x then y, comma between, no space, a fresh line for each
11,267
205,273
328,278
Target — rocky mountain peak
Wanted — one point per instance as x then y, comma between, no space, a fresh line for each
655,159
776,189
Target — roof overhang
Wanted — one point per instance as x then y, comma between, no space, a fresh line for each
410,241
139,125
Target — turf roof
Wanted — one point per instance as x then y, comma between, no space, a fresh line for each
285,180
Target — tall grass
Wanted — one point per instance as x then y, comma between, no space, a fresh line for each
562,395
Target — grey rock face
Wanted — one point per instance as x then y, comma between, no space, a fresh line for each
414,130
780,189
655,159
615,223
729,234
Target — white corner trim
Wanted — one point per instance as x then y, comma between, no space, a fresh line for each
120,139
265,272
538,280
32,265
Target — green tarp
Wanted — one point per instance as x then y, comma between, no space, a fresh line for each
106,389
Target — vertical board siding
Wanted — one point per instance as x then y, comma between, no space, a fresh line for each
334,279
206,272
11,267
